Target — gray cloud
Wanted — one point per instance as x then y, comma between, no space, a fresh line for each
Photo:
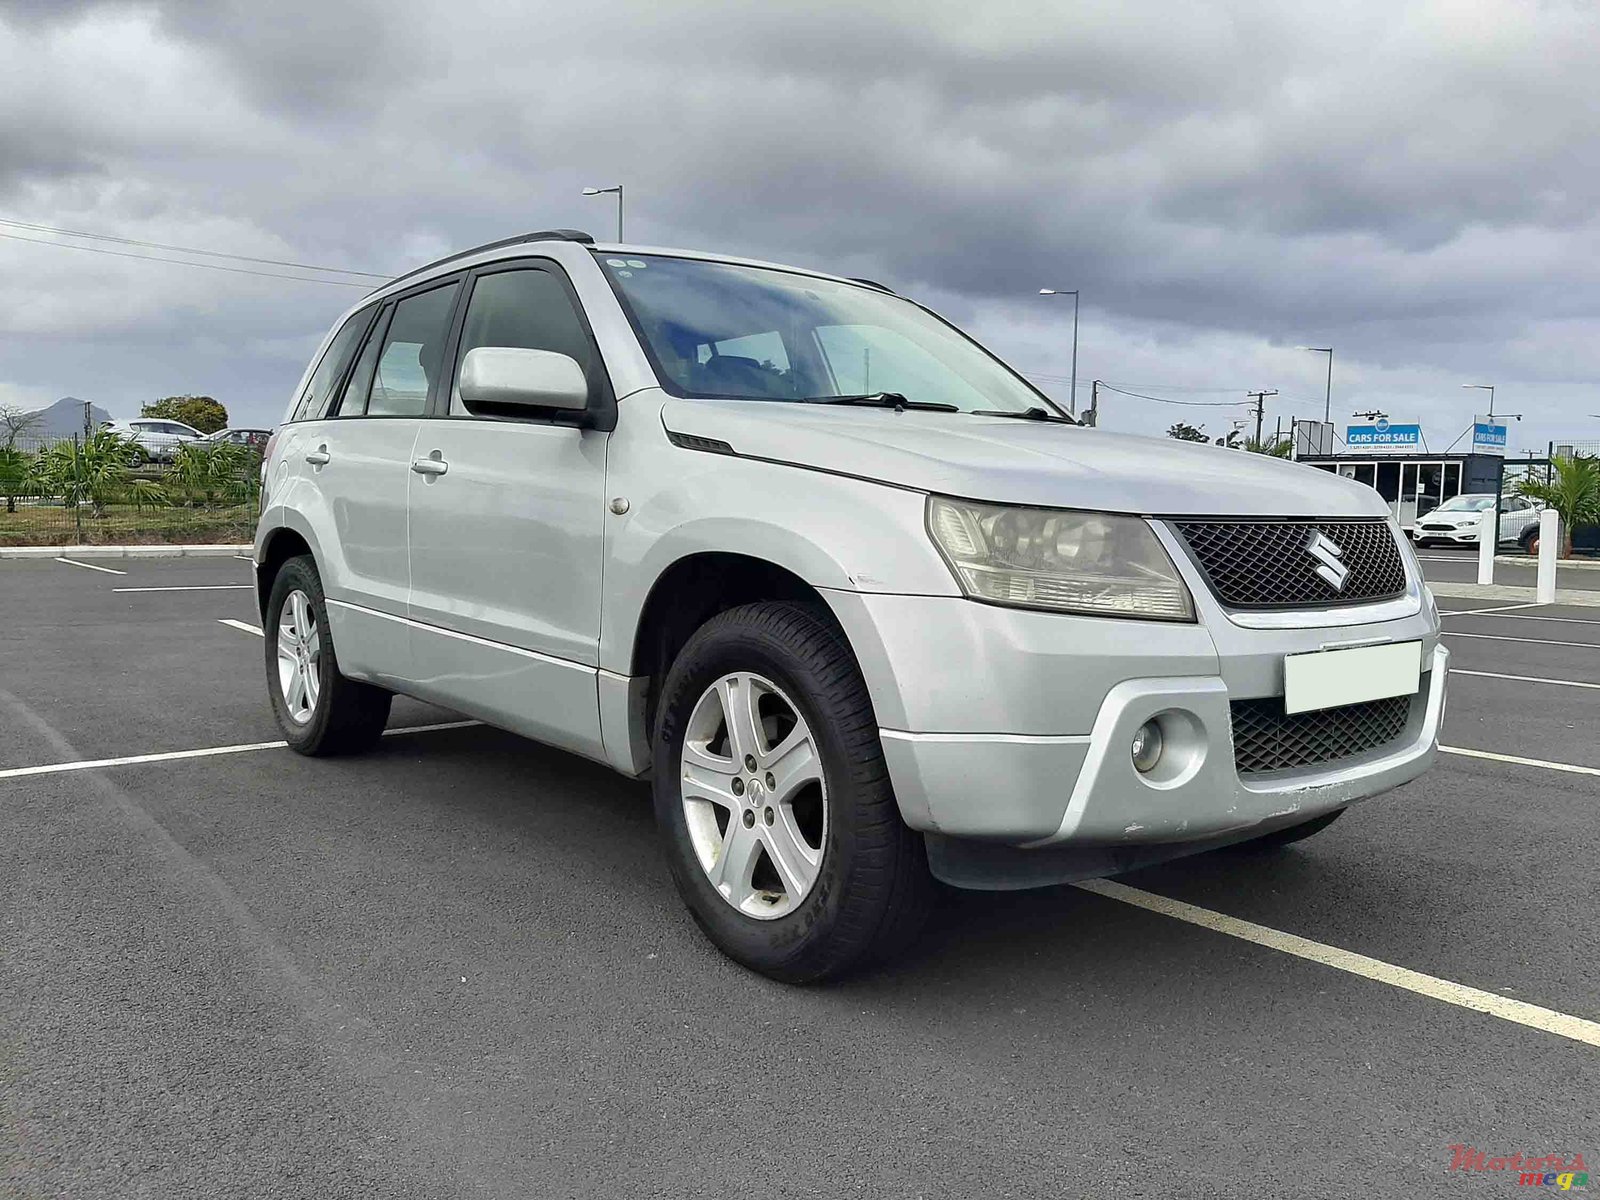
1414,183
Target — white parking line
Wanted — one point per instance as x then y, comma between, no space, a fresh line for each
242,626
192,587
1523,678
1476,612
207,752
244,558
1517,760
1497,612
1500,637
1517,1011
72,562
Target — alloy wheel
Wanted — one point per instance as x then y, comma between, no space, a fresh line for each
754,795
299,657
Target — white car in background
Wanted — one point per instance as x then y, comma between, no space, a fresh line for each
1455,522
155,439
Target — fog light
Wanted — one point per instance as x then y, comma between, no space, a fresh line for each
1147,747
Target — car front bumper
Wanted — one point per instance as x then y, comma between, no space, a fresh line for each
1013,729
1465,534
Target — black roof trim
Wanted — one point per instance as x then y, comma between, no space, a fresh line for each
542,235
873,283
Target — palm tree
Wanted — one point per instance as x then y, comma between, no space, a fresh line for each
205,472
1574,492
15,467
95,472
1273,447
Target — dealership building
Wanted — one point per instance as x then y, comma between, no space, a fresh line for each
1393,460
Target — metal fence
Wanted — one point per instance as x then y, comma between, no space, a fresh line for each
54,492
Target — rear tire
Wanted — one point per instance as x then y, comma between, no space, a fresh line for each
1529,541
1280,838
320,711
734,835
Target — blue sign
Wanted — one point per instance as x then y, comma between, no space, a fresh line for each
1488,437
1382,433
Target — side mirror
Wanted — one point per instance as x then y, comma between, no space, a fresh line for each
496,378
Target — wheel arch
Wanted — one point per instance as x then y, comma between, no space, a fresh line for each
692,590
279,546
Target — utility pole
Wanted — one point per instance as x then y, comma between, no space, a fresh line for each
1261,403
1074,294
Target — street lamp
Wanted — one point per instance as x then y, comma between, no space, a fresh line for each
1327,396
607,192
1484,387
1074,294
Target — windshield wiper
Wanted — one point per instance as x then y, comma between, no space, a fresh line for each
892,400
1026,414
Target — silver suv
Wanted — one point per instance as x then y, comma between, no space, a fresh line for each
865,606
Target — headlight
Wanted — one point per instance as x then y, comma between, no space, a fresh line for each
1062,561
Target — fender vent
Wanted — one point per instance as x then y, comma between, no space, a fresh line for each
691,441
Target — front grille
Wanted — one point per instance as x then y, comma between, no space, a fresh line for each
1267,564
1265,738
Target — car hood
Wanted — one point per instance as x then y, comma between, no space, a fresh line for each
1023,462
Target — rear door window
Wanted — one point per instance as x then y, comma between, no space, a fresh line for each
412,354
400,360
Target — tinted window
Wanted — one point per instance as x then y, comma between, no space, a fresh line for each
413,350
313,401
527,309
354,400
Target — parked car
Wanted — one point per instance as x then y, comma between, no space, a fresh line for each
863,604
256,439
1455,522
155,440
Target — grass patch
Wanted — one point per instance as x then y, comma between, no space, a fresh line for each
124,524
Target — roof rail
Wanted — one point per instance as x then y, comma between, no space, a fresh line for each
542,235
873,283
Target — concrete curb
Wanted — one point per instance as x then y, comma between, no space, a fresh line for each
153,551
1524,560
1473,591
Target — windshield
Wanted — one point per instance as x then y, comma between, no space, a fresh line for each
1466,504
724,331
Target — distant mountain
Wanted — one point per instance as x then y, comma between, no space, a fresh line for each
65,418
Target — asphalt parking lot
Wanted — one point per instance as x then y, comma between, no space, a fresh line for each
457,968
1448,564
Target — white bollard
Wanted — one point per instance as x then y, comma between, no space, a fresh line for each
1486,547
1549,546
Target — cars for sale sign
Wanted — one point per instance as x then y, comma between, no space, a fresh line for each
1382,433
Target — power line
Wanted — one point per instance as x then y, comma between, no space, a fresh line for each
107,237
1172,387
1179,403
178,262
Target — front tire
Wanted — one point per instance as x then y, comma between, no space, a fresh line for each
774,801
320,711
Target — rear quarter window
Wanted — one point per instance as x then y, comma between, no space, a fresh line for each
313,402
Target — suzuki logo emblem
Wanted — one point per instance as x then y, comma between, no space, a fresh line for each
1327,553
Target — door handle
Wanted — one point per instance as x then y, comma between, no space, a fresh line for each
319,457
432,465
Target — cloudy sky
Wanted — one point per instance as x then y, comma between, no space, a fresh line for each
1414,184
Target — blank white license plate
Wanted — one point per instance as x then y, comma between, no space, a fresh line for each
1329,678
